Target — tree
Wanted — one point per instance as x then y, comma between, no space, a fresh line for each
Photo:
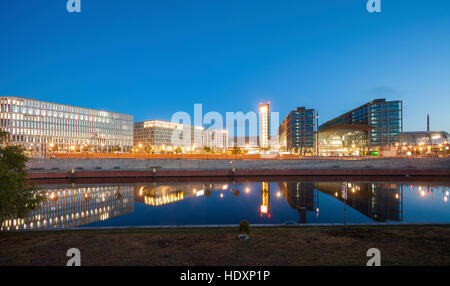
178,150
236,150
244,227
148,149
17,195
115,148
54,148
4,137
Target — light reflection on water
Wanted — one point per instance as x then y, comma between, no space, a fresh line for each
99,205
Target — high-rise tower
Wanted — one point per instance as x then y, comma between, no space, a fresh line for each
264,119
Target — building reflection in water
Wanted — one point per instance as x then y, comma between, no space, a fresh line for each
69,206
300,196
265,199
158,195
162,194
377,201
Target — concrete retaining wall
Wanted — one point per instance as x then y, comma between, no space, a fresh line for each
148,164
134,168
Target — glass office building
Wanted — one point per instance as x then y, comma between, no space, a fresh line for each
296,132
43,127
384,117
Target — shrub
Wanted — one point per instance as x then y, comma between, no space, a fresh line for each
244,227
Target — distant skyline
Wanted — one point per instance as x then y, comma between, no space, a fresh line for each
151,59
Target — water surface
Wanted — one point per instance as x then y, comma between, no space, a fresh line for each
260,202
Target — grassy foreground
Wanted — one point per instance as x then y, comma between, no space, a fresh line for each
399,245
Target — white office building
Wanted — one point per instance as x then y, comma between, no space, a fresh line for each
167,136
43,127
215,139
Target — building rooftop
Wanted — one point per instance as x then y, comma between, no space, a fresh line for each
62,104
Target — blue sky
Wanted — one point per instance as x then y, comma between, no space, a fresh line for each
154,58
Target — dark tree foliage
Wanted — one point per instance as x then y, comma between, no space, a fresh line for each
148,149
116,148
236,150
4,137
17,195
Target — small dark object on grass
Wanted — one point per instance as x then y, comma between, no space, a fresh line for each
244,230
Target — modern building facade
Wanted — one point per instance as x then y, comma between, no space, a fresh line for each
384,117
167,135
43,127
264,125
296,132
215,139
344,140
426,138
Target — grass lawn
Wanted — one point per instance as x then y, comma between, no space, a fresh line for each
399,245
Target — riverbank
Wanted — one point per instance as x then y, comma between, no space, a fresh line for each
296,246
149,168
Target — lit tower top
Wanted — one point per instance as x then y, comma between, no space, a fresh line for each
264,119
